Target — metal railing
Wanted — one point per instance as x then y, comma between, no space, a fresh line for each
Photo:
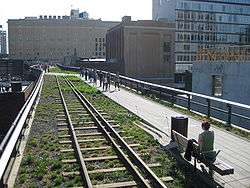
10,143
228,111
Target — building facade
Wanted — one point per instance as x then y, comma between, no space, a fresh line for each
145,48
3,42
52,38
224,75
204,24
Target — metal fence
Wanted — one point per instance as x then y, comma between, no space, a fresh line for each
9,145
227,111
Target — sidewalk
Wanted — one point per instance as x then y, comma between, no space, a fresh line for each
235,150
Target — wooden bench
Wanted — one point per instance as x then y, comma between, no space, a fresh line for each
218,166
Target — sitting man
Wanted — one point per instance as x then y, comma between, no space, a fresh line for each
206,142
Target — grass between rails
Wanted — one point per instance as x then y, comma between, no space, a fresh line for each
41,164
59,70
149,147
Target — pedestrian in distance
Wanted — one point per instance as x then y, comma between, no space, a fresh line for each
108,81
81,71
100,78
95,76
117,81
105,83
86,74
90,75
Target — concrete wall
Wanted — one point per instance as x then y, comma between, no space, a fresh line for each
12,67
236,88
236,77
145,47
10,105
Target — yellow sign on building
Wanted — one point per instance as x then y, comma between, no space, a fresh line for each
232,54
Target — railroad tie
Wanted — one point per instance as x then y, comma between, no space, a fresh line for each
127,183
86,134
89,140
92,159
95,148
107,170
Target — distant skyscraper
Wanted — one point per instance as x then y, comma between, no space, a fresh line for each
3,46
216,24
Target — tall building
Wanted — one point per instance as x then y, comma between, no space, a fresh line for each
145,48
3,46
209,24
52,38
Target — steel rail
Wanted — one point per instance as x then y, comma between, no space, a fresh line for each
11,139
142,181
84,171
140,163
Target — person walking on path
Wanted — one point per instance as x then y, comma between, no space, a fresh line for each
95,77
91,75
81,71
105,83
108,81
86,74
100,78
117,81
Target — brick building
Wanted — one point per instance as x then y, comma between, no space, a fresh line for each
52,38
144,48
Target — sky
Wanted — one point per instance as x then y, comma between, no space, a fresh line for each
112,10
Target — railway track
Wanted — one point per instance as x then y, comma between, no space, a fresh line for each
94,149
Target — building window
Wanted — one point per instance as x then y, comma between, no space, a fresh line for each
167,47
186,47
166,58
217,86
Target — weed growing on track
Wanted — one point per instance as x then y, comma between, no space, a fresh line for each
149,147
41,164
58,70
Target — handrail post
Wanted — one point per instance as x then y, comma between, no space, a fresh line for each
189,103
172,99
229,118
137,87
208,108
